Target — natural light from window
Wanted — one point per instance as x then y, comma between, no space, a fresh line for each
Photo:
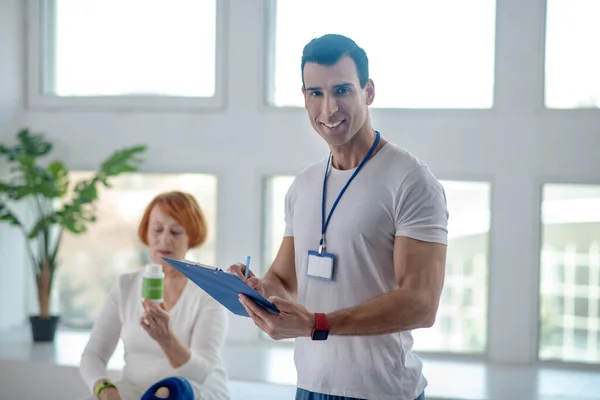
422,54
572,56
132,47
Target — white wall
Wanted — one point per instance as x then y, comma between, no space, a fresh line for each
516,146
11,105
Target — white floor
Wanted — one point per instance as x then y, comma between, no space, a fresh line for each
266,371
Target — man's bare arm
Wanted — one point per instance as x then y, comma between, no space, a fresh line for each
280,280
419,268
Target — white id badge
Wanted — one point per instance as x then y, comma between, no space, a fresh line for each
320,266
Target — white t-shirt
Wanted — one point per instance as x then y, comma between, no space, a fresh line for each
394,194
197,320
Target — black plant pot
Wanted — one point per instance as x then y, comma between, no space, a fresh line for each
43,329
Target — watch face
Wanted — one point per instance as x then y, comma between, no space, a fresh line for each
320,335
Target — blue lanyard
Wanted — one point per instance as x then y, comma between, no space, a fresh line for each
325,222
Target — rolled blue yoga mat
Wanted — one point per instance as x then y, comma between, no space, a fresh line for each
179,389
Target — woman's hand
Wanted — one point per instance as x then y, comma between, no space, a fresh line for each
156,322
110,394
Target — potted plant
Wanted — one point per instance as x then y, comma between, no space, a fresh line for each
57,205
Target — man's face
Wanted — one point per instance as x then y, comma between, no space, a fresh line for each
336,104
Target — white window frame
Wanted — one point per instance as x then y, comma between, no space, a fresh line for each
269,57
36,99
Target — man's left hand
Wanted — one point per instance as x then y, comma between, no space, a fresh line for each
293,320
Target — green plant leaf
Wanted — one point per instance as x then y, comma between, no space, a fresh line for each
31,179
43,225
34,145
121,161
60,177
4,187
75,215
74,218
7,216
86,192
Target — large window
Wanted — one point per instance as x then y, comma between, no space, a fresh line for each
423,54
461,325
127,49
572,59
570,273
90,264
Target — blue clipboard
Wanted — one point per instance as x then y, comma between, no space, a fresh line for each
222,286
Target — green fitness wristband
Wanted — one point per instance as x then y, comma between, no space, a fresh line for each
105,384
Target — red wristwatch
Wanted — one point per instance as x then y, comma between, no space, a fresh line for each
321,329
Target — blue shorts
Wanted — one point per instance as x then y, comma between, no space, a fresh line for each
302,394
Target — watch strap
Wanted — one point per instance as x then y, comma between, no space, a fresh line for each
321,329
321,322
103,385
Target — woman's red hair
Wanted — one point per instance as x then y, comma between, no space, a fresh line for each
184,208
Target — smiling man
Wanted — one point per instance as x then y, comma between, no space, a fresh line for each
362,260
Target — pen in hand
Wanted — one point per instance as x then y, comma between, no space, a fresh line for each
247,267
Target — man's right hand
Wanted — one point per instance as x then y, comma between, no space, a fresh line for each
253,281
110,394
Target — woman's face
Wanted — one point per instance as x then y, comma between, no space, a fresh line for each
166,238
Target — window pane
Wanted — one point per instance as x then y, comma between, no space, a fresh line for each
418,58
572,32
461,326
91,263
133,47
570,273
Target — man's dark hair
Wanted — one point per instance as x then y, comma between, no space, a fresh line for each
329,49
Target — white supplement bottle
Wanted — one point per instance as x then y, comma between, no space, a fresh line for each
153,283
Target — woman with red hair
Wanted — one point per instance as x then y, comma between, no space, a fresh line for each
173,348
